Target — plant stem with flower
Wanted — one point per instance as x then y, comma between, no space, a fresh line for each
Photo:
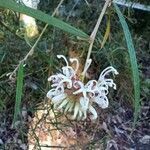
70,94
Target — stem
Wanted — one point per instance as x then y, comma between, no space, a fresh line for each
35,44
93,35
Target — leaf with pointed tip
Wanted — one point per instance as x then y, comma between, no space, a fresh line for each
37,14
134,65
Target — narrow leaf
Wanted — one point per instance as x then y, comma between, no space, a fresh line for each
106,35
134,66
37,14
19,90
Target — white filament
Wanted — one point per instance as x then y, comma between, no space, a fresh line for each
91,92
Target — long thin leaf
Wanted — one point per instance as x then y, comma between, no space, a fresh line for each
19,92
134,66
107,32
10,4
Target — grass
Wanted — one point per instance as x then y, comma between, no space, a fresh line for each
134,65
19,93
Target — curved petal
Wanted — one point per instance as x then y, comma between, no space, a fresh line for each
84,115
91,87
91,84
77,63
51,93
63,104
79,115
60,89
107,71
110,83
93,111
102,101
68,81
53,78
59,98
54,85
84,102
68,71
82,89
78,84
76,110
69,104
102,88
78,91
62,56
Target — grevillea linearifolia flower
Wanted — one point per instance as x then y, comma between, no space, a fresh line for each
69,94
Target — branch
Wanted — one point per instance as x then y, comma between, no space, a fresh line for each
93,35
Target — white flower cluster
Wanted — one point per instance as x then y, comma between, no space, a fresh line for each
70,94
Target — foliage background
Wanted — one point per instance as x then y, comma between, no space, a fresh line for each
14,45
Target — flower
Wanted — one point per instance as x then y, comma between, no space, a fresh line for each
72,96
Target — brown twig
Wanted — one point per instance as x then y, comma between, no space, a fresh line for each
93,35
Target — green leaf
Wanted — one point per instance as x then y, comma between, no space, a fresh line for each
19,91
134,66
37,14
